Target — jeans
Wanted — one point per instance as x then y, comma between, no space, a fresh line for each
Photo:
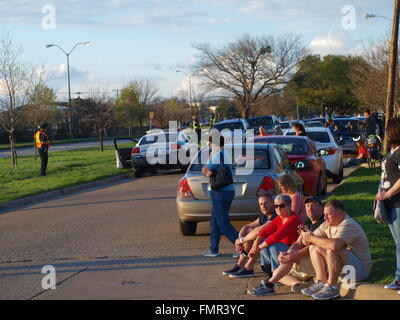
220,222
269,255
354,162
394,226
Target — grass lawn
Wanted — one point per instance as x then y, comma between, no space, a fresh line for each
65,168
357,195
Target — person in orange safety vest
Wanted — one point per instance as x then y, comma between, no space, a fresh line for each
42,143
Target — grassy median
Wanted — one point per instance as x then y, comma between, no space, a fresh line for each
357,195
65,169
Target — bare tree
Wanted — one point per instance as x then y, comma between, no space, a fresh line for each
97,113
369,76
250,68
17,80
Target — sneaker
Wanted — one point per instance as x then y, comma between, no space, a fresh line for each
327,293
297,287
315,288
261,290
395,285
244,273
209,253
235,269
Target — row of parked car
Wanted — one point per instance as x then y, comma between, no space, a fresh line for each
309,160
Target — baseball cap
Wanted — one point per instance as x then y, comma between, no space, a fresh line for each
313,198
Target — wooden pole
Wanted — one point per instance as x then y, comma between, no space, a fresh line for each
392,68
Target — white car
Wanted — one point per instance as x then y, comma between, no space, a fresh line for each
329,149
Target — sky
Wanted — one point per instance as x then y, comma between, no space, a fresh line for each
152,39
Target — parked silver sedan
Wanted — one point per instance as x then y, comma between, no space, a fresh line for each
269,162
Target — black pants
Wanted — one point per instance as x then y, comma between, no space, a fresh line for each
44,157
198,132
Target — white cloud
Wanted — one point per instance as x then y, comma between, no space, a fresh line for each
330,43
253,6
60,73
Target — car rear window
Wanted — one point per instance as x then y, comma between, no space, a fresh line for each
230,126
285,125
290,146
162,137
347,125
240,160
322,137
267,121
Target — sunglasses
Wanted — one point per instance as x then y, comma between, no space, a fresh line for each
280,206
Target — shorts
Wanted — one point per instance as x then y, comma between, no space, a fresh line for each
362,269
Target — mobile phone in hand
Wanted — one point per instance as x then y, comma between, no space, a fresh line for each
245,254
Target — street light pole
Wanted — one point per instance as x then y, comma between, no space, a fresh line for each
190,90
392,68
69,79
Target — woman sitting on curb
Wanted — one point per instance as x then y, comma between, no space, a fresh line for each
279,235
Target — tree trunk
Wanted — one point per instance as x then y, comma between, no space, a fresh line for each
101,140
13,150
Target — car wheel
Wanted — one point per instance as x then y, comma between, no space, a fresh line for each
338,177
138,173
188,228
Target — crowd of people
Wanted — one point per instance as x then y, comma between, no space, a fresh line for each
297,239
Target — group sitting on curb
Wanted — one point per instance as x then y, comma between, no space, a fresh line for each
292,252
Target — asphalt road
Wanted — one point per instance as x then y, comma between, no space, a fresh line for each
27,151
117,241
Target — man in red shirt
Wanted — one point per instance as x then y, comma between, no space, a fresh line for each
277,237
362,155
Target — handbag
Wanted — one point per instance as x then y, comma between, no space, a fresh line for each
222,177
380,214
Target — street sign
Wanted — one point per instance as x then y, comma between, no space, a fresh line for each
151,115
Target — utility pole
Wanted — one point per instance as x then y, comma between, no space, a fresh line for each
392,68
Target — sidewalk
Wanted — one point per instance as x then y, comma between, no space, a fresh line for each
164,278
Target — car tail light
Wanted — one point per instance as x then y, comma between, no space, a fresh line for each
136,150
266,186
331,151
184,190
175,146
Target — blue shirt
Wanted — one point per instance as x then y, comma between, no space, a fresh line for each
216,161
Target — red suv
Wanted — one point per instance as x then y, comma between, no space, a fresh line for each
305,159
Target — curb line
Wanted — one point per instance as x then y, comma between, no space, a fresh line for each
369,291
44,196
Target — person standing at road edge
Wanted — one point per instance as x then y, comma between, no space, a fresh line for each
42,143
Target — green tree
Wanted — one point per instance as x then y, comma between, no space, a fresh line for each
227,109
324,83
42,107
133,102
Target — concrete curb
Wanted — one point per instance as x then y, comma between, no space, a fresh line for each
368,291
44,196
